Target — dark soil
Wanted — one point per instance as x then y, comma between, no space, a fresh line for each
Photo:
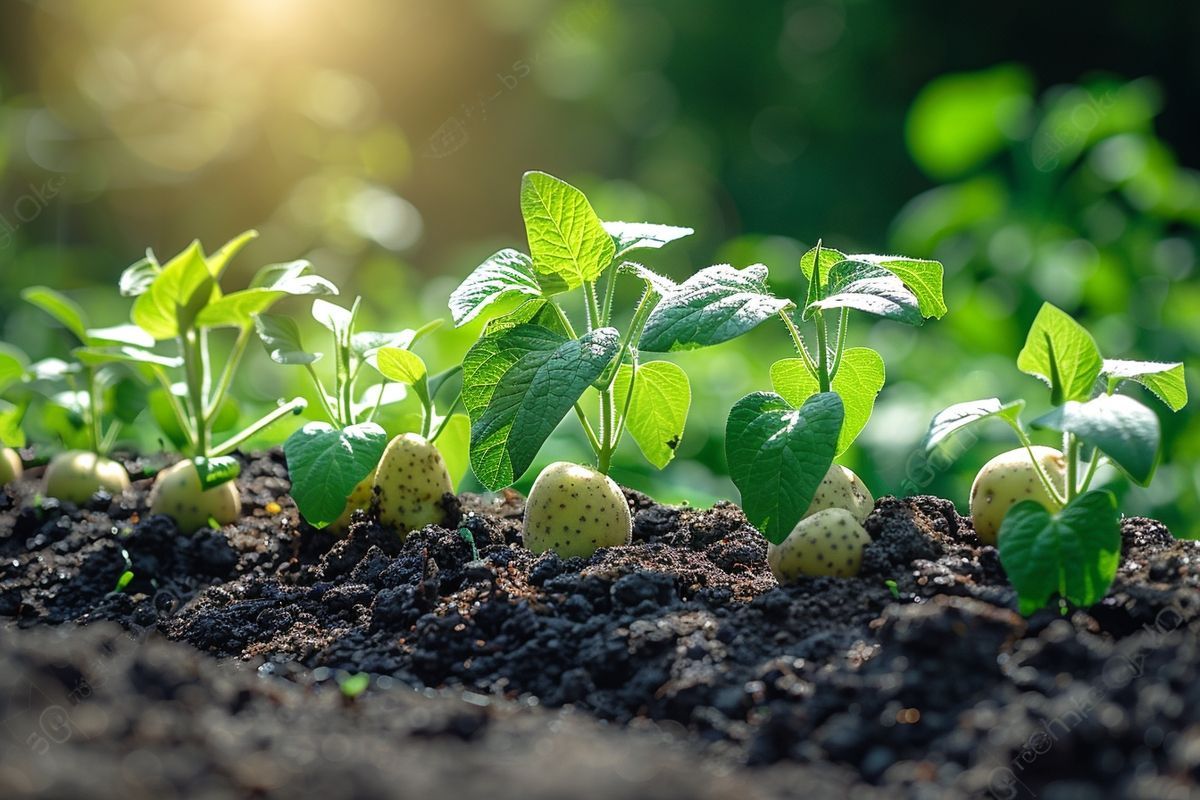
916,678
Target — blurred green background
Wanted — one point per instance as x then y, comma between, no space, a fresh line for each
1041,151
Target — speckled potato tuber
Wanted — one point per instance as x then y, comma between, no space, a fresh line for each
76,475
841,488
178,495
359,500
1010,478
574,510
10,466
829,543
410,480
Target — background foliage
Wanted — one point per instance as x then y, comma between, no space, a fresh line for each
385,141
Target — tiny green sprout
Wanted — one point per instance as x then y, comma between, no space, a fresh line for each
182,303
893,587
780,445
469,538
352,686
123,581
533,365
1057,537
344,465
85,403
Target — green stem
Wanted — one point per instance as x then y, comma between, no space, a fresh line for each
606,430
110,438
181,416
1037,467
294,406
822,351
442,425
564,319
193,367
628,401
798,340
205,364
1072,451
843,321
587,429
593,307
231,365
94,413
610,291
1091,472
329,412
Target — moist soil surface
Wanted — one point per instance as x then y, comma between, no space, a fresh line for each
234,661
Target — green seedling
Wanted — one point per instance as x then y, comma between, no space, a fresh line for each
780,445
181,302
1056,535
344,465
530,368
893,587
86,402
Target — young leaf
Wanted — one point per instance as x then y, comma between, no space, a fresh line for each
1118,426
1073,553
95,357
534,312
272,284
365,344
506,274
923,277
779,454
66,311
403,366
829,257
658,409
137,278
640,235
219,260
1165,381
517,385
13,365
961,415
866,287
333,317
1075,356
659,284
11,416
715,305
280,335
566,238
294,278
215,471
325,464
155,311
119,334
858,381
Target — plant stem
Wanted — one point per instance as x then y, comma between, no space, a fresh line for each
329,412
181,416
822,351
593,307
843,321
587,429
442,425
798,340
94,412
1037,467
231,365
628,401
564,319
193,368
294,406
1091,472
1072,451
606,429
610,291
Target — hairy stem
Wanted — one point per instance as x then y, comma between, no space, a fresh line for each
1072,453
1037,467
587,429
329,412
294,406
231,365
822,352
843,321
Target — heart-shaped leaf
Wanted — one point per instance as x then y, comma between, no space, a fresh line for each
566,238
859,379
326,463
1165,380
504,275
403,366
870,288
518,384
778,455
715,305
658,408
1118,426
955,418
1073,554
1060,352
280,335
215,471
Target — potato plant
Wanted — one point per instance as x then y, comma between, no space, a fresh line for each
181,303
340,466
1056,535
532,366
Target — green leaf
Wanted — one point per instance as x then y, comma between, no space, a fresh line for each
399,365
95,357
858,381
11,417
779,454
866,287
659,284
566,238
643,235
534,312
333,317
119,334
13,365
1073,554
272,284
137,278
923,278
215,471
1075,356
326,463
454,443
64,310
829,257
960,120
962,415
156,310
280,335
518,384
293,277
1118,426
508,273
658,408
1165,380
715,305
219,260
